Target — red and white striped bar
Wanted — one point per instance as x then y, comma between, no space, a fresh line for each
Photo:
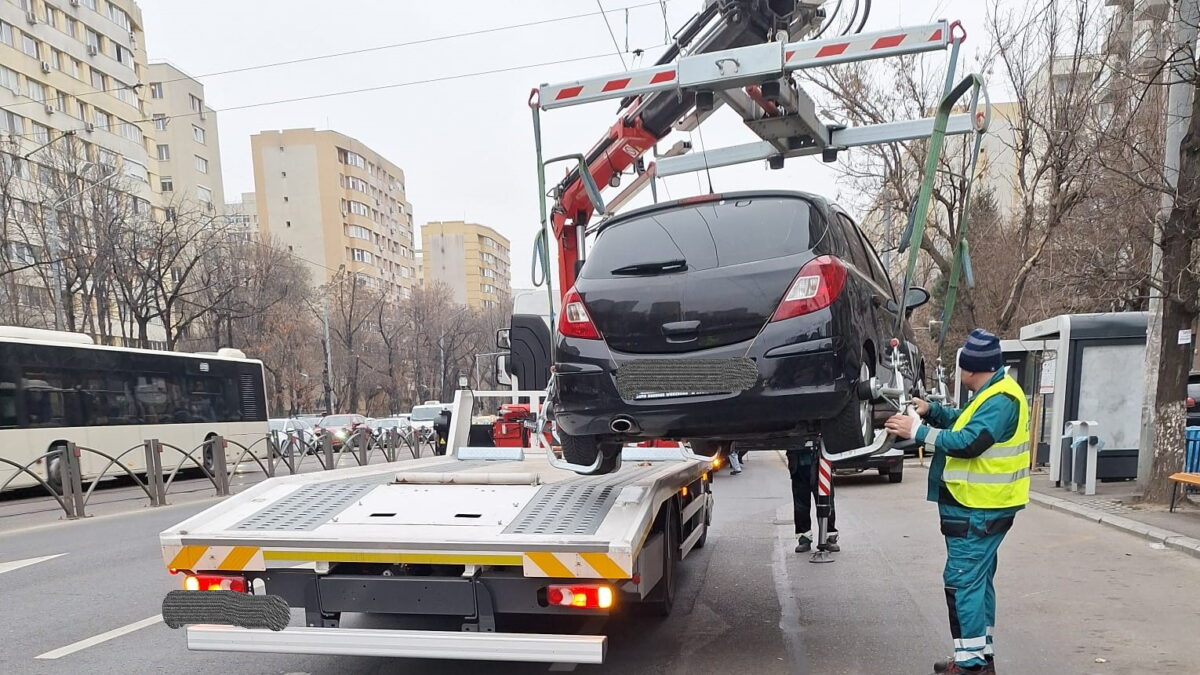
824,477
793,56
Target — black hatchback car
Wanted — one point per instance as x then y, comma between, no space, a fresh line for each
738,317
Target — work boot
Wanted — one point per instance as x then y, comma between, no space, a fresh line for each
803,543
831,543
949,667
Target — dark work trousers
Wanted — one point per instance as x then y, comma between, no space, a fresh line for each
802,468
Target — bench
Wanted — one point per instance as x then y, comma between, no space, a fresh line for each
1185,478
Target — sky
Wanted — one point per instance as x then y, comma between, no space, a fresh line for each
465,144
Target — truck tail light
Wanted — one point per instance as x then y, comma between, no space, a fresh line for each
574,320
815,287
214,582
580,597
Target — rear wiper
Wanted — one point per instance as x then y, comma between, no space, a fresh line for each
663,267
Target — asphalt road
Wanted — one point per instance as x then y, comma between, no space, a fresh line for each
1071,592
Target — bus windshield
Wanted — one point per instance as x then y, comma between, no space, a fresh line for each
425,413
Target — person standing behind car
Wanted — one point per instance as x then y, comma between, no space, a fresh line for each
802,468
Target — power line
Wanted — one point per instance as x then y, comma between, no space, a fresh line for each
368,50
347,92
612,35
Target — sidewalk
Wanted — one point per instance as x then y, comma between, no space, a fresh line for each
1115,505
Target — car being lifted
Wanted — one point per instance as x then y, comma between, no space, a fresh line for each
749,317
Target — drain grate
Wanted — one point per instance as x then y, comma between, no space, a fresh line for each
573,507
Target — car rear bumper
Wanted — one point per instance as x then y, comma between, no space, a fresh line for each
805,383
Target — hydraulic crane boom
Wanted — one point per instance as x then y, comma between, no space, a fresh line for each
646,119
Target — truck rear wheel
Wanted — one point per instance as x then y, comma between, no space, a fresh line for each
661,599
583,450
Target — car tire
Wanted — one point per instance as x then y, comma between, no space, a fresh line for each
583,450
896,475
54,463
852,426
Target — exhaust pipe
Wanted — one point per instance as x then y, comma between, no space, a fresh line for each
621,425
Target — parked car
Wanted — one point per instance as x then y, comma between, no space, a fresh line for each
1193,396
423,416
292,435
339,427
745,316
380,426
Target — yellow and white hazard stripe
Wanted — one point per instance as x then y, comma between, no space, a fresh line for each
558,565
577,565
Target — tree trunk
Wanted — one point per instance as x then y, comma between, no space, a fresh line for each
1179,312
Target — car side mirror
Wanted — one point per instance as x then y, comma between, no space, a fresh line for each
503,339
916,297
502,376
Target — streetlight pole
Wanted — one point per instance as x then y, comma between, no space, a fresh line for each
328,361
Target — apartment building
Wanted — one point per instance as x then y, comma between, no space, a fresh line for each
71,105
472,259
186,144
334,202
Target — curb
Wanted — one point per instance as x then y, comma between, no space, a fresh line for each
1172,540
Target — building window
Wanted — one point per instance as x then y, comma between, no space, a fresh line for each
8,79
359,255
90,4
201,164
30,46
160,122
92,38
119,17
490,274
51,13
76,68
37,91
136,171
357,208
120,54
197,105
6,34
164,152
60,102
11,123
156,90
80,109
124,93
166,184
204,194
70,26
98,80
351,158
107,158
129,130
56,59
41,133
488,288
358,232
198,134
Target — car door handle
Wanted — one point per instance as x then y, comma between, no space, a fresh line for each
680,327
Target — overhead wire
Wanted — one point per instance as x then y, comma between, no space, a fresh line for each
611,34
367,50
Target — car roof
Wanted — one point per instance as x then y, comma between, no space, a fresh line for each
818,200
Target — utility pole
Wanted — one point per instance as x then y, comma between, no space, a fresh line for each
328,362
1185,18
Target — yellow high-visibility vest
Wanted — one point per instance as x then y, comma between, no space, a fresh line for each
998,478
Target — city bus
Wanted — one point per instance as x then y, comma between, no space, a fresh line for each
58,387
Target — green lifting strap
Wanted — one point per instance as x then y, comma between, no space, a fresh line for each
974,84
961,263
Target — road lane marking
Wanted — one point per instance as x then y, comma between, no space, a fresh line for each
18,564
103,637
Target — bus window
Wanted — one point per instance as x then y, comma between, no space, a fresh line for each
8,404
47,403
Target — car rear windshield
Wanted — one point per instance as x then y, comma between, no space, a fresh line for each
337,420
706,235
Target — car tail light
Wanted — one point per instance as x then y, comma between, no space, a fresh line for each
815,287
580,597
1191,402
574,320
214,582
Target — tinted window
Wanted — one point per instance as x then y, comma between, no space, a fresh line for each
877,269
713,234
858,252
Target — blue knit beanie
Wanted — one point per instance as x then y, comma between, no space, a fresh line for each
981,353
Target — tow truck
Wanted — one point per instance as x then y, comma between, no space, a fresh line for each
444,546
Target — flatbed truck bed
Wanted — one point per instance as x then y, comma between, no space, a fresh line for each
464,537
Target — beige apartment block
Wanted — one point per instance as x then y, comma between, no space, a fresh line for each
242,215
472,259
186,145
333,202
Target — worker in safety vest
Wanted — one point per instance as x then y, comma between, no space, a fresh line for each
979,478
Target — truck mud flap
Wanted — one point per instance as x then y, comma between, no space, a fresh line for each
226,608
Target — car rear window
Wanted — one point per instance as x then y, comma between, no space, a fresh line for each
706,235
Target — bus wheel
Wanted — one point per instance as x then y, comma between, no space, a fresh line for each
54,467
209,462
